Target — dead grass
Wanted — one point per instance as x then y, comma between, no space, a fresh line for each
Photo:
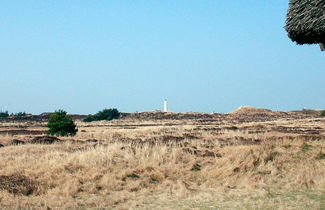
18,184
169,164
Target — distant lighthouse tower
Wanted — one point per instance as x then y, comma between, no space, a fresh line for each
165,105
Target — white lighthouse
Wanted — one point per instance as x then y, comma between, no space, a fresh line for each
165,105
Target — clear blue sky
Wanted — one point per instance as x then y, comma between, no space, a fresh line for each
213,55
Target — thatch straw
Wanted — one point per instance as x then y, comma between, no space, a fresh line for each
306,21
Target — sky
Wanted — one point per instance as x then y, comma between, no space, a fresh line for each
202,56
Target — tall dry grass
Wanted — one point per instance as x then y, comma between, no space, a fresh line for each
168,164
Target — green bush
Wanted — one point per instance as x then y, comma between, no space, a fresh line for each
322,114
60,124
106,114
4,114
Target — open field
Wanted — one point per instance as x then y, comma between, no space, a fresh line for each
245,160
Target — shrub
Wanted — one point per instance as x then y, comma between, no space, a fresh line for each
60,124
4,114
322,114
106,114
20,114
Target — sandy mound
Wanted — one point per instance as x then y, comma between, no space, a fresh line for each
249,110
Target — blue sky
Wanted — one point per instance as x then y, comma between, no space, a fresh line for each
204,56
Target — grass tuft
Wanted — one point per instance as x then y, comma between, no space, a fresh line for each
320,156
306,147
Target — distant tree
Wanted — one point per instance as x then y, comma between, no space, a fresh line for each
20,114
4,114
105,114
60,124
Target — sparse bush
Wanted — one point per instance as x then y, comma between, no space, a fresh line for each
60,124
106,114
4,114
322,114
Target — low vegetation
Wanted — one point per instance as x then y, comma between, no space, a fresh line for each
106,114
5,115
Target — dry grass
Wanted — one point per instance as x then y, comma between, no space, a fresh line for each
169,164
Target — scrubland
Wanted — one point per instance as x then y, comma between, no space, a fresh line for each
236,161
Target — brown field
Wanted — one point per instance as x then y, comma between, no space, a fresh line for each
249,159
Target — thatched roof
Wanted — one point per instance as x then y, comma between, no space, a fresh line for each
306,21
